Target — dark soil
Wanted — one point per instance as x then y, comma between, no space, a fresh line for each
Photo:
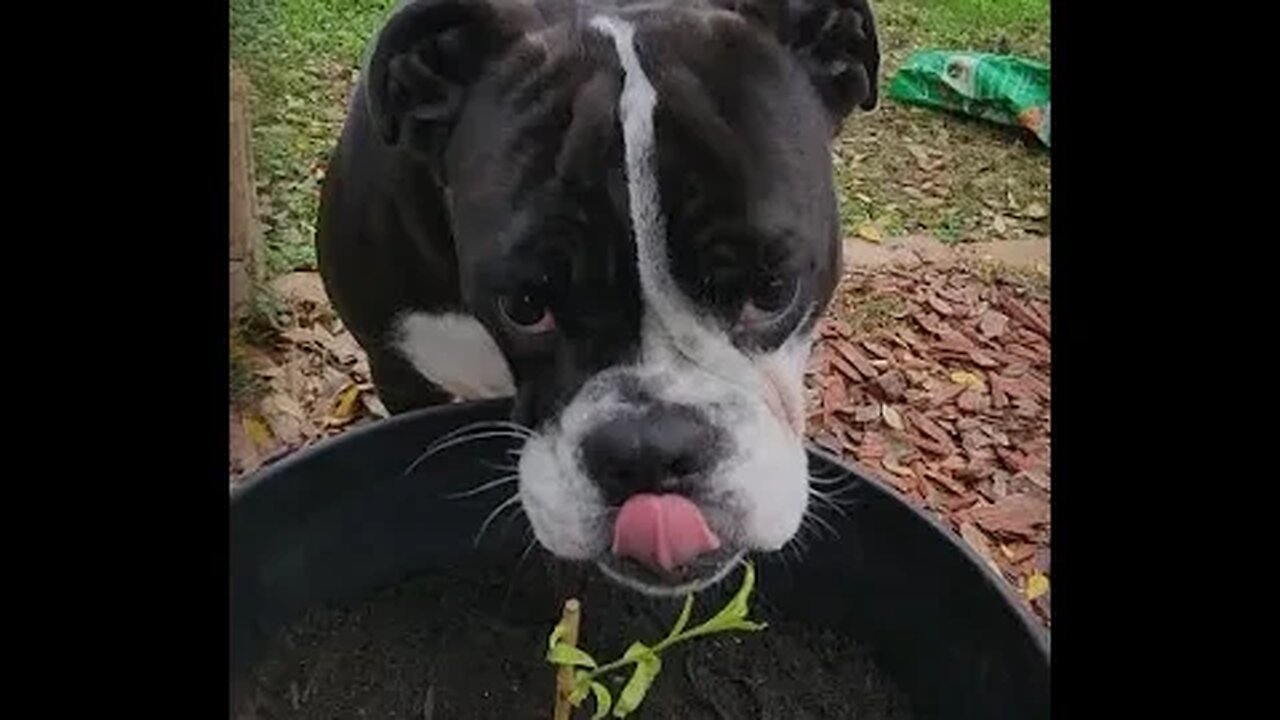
471,646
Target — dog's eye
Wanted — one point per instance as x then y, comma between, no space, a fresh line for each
527,310
771,297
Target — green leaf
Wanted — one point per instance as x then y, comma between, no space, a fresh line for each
647,668
638,652
604,700
747,625
581,686
736,610
565,654
683,620
557,632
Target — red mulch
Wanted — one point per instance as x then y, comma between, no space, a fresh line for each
944,393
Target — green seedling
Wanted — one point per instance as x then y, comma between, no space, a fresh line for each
647,659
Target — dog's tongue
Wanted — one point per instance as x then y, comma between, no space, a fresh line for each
662,531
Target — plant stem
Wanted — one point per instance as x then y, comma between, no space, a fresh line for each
657,649
571,617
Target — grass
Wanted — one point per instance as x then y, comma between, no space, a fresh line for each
913,170
301,57
904,169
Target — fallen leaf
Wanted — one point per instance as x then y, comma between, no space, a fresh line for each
1000,224
301,336
923,158
344,408
891,417
301,287
992,324
1035,211
868,231
1037,585
257,430
968,379
341,345
285,417
1018,552
243,447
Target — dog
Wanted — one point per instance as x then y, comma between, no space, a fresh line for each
622,214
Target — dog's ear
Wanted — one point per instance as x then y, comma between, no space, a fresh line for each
425,58
834,41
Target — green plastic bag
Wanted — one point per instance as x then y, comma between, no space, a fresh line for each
1000,88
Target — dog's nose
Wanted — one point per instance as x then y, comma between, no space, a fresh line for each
663,449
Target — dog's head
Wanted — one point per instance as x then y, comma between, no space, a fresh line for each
644,219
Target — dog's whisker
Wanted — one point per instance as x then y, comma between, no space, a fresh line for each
483,488
511,584
835,534
802,537
839,492
835,474
439,447
501,467
827,501
493,515
837,480
483,425
782,558
478,435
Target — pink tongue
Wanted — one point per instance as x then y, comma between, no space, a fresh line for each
664,531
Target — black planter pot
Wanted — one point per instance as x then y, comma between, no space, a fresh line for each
341,520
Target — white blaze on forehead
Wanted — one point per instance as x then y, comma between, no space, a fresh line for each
672,323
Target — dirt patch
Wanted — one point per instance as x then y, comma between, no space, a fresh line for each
912,250
472,645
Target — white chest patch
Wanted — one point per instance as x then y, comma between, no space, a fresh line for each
455,352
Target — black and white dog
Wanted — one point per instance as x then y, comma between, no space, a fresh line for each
620,212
